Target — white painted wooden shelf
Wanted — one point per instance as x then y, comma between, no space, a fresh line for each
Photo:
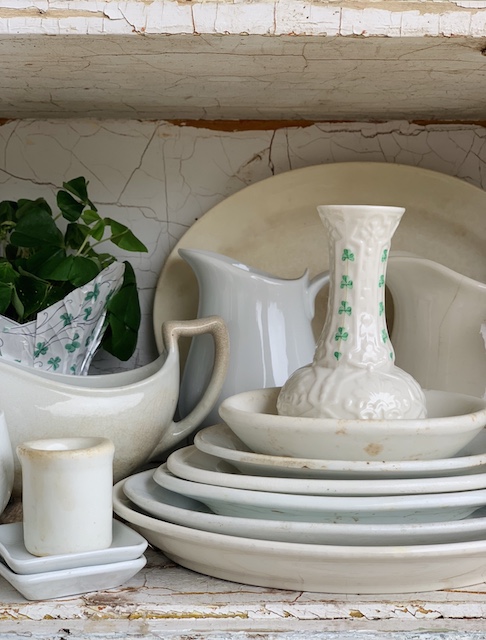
167,601
285,62
244,59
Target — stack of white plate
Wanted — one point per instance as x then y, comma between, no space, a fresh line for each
57,576
317,525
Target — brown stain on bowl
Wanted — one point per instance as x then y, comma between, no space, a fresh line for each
373,449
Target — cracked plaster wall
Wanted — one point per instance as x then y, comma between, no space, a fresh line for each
159,178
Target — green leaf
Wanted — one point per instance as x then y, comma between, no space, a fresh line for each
78,187
17,305
8,275
32,206
124,238
74,269
7,211
43,261
36,229
76,234
90,215
70,208
6,290
83,270
120,338
31,292
98,230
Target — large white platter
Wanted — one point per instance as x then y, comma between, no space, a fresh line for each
218,440
304,508
308,567
273,225
191,464
161,503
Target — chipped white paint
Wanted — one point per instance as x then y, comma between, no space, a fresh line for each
247,59
159,178
167,601
272,17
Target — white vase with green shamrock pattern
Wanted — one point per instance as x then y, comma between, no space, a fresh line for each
353,374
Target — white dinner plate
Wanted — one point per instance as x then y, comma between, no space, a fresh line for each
126,545
69,582
218,440
304,508
273,225
308,567
161,503
191,464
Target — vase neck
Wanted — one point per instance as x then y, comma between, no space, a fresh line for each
355,331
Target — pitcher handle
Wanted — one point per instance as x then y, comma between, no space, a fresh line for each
172,330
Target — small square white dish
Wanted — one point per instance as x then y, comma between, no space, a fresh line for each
127,545
69,582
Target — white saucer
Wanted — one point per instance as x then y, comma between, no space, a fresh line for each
218,440
161,503
305,508
69,582
191,464
311,567
127,545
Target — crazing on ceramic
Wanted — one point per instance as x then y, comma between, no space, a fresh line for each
66,495
269,321
135,409
353,374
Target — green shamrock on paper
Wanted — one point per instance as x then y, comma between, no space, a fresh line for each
41,349
347,255
346,283
67,319
73,345
341,334
87,312
344,308
93,295
54,362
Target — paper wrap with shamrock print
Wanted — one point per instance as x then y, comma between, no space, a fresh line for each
66,335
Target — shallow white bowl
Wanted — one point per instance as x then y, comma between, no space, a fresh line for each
161,503
309,567
453,420
268,505
218,440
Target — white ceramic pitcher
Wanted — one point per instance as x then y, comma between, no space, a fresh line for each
436,333
268,320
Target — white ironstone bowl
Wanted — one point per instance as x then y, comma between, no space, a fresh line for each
453,420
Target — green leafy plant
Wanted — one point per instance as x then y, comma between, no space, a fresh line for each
40,263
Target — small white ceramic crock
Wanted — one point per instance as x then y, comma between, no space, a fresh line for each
67,494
